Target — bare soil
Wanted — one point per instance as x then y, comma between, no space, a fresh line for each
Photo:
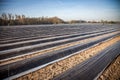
112,72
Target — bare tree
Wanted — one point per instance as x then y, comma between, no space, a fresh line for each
10,16
4,16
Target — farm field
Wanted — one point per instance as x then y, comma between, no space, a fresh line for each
43,52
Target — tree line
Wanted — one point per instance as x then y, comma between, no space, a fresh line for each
10,19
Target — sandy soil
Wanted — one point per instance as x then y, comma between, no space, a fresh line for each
52,70
112,72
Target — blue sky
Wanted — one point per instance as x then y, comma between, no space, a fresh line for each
65,9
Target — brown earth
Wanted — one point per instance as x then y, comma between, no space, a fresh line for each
112,72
